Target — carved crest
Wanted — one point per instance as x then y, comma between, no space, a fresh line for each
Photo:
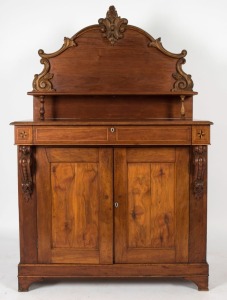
113,26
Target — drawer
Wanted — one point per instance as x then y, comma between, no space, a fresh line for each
67,135
104,135
154,135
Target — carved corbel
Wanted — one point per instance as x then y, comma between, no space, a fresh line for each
113,26
199,170
25,165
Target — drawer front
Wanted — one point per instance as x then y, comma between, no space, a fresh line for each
154,135
104,135
70,135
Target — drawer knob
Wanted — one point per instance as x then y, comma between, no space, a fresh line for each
112,129
116,204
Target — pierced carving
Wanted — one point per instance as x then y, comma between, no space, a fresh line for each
157,44
42,82
199,164
183,80
25,164
113,26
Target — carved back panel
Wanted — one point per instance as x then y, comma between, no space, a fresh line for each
112,58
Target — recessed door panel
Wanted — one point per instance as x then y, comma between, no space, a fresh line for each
153,198
75,205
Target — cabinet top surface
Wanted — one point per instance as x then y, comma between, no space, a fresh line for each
103,122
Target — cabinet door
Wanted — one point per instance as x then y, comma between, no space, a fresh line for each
151,190
75,208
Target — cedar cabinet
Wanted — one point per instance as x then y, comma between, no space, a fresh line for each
112,170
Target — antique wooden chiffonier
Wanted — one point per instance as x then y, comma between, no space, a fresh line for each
113,168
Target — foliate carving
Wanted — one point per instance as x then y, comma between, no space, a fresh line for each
199,164
25,164
113,26
42,82
183,81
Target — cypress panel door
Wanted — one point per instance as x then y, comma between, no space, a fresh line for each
75,205
151,190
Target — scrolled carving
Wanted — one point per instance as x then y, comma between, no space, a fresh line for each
25,165
42,82
67,44
113,26
183,81
157,44
199,165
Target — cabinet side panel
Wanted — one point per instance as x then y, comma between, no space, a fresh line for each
28,220
198,204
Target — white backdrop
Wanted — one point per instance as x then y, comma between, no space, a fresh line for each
199,26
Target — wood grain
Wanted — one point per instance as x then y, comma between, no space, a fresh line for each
99,107
162,205
182,204
155,205
198,216
28,219
79,205
75,205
